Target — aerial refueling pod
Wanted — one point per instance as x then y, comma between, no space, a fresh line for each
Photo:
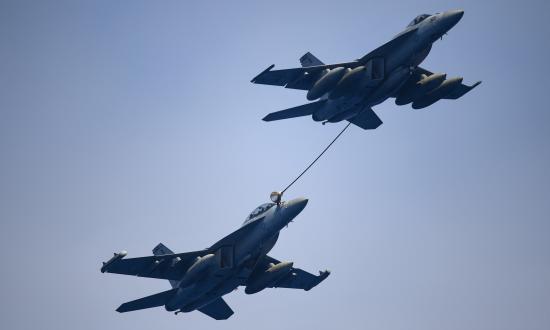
270,276
326,83
420,88
197,269
437,94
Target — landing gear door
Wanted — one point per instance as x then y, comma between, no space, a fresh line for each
375,70
225,256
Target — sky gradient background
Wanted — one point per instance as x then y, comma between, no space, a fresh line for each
128,123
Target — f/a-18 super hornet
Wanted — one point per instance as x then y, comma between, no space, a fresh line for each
347,91
199,279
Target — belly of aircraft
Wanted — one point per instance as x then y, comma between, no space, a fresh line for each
334,107
213,286
221,290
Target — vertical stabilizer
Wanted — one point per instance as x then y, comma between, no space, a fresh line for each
309,60
159,250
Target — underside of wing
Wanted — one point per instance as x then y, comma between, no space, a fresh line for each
460,90
217,309
424,88
297,78
366,119
305,77
297,278
456,93
169,266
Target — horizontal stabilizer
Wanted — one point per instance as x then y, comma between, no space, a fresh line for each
299,111
366,119
217,309
155,300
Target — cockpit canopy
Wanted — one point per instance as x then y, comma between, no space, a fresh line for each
258,211
418,19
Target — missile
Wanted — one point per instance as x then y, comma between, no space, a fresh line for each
116,257
271,275
420,88
326,83
437,94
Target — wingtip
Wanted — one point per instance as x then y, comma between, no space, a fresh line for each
115,258
261,73
269,117
320,278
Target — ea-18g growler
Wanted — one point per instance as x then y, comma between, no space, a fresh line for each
348,91
199,279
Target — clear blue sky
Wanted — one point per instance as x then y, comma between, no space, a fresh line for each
128,123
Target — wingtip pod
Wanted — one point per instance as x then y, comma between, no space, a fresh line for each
261,73
116,257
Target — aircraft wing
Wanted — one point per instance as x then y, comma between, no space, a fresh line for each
217,309
168,266
303,78
297,278
456,93
296,78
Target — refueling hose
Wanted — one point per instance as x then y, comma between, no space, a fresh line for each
315,160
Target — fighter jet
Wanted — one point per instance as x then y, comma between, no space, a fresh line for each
348,91
199,279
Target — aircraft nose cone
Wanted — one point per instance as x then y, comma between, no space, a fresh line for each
295,206
455,16
300,204
448,20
